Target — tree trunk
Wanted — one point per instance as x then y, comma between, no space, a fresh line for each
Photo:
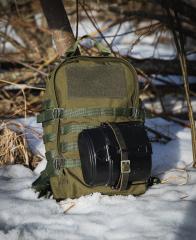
58,22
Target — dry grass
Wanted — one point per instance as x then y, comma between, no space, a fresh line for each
14,148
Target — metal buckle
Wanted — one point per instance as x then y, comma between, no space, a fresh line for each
56,112
132,112
125,166
58,163
135,112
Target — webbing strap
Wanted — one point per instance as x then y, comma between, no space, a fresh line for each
125,162
75,128
49,137
51,114
68,128
59,162
65,147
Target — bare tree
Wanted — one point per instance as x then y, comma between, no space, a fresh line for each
58,22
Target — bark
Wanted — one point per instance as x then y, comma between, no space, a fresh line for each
163,67
58,22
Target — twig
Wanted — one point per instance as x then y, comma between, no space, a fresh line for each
159,134
24,96
98,30
27,66
22,86
12,41
182,57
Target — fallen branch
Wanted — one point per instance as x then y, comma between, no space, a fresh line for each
160,66
159,134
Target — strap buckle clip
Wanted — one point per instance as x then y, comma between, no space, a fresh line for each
58,163
135,112
125,166
56,112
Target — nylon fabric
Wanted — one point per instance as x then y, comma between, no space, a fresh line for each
95,77
62,162
52,114
71,185
47,104
67,111
49,137
76,128
65,147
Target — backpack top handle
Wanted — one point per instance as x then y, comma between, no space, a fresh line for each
104,51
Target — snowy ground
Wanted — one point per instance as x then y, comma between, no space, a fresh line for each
165,211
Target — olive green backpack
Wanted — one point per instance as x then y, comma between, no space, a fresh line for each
83,92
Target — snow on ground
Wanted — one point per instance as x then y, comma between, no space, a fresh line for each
165,211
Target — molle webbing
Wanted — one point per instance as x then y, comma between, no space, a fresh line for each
52,114
70,146
75,128
66,129
49,137
60,162
65,147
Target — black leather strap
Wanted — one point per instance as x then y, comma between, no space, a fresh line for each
125,162
109,159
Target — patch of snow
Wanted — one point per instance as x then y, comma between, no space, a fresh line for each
12,34
165,211
33,131
125,43
15,171
40,167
